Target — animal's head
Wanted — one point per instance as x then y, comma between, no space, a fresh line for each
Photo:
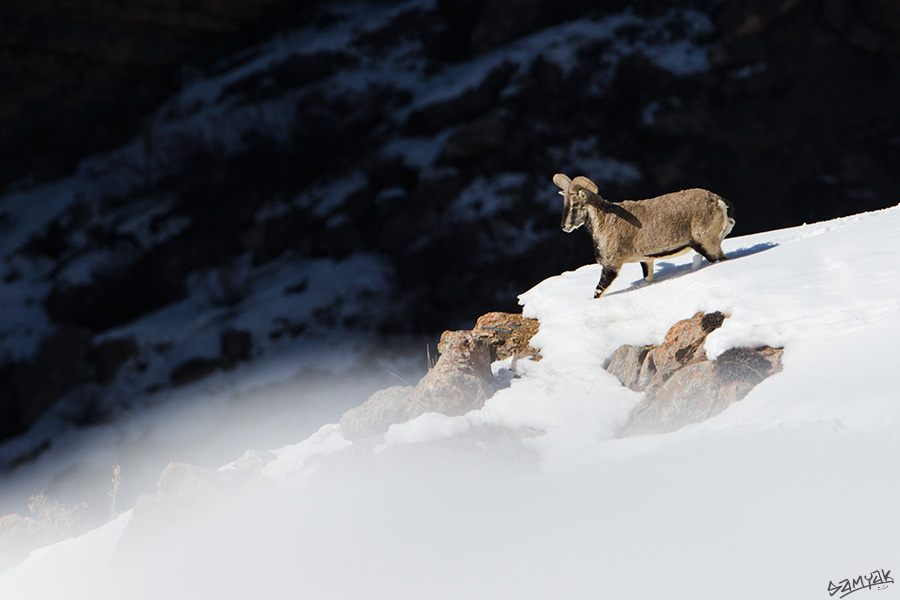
576,193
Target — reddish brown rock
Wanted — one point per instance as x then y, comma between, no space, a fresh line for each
460,381
626,364
507,335
683,346
186,495
375,415
703,389
681,385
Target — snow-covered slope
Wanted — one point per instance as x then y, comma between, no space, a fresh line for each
785,492
828,293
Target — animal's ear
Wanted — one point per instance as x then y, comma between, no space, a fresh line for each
562,181
583,182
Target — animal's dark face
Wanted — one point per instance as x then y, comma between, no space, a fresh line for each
574,211
575,193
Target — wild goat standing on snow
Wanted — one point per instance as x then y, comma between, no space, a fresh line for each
644,230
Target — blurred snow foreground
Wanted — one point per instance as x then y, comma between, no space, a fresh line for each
535,494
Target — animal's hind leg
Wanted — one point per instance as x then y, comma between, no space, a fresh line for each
711,254
647,268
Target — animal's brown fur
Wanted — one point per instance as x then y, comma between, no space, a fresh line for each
644,230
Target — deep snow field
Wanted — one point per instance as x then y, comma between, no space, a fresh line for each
532,496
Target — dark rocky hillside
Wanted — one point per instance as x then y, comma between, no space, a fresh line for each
284,172
80,76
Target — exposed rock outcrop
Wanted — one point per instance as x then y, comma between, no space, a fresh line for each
373,417
507,335
682,386
460,381
185,492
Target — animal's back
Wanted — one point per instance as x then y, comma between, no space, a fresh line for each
682,222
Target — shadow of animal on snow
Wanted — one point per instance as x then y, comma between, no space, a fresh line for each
667,270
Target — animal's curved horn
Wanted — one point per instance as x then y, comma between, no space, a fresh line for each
562,181
582,182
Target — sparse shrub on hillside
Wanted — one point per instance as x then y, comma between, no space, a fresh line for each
116,482
63,521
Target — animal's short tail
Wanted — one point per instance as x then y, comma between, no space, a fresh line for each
730,208
729,212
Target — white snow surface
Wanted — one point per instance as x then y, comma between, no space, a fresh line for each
783,493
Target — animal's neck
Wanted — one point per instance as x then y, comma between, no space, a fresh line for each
595,200
593,220
594,214
603,213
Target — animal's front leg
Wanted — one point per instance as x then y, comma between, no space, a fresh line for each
609,274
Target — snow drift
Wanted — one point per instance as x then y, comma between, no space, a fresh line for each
784,494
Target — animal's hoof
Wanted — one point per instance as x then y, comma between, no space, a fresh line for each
597,294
